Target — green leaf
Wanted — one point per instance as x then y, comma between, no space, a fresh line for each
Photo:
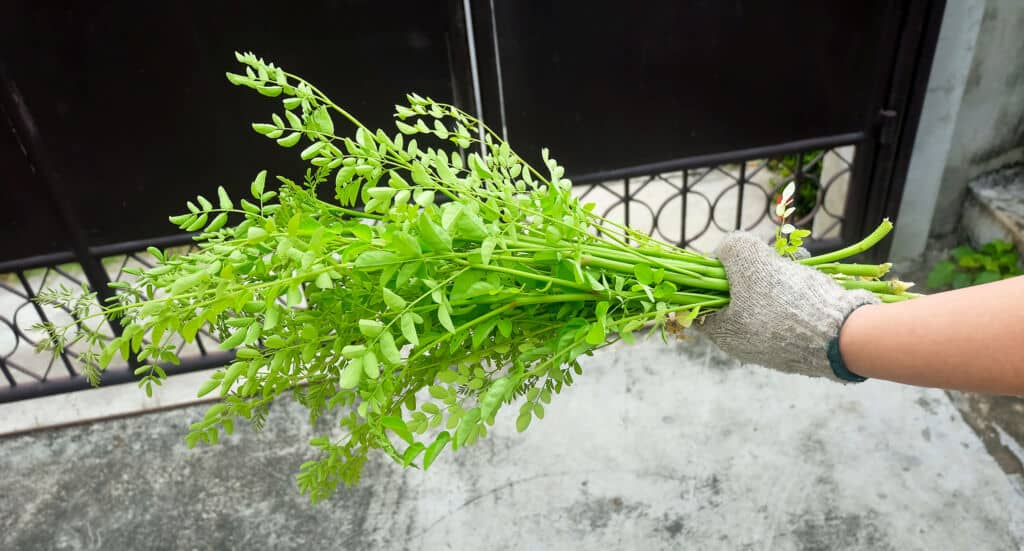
523,421
482,331
294,297
444,316
471,227
323,281
438,391
987,277
289,140
420,177
217,223
423,197
471,284
362,231
388,349
392,300
596,334
370,328
351,374
408,326
941,275
352,351
234,340
273,315
199,223
971,261
405,244
256,187
643,273
962,279
479,167
961,252
204,202
269,91
181,219
467,426
252,334
263,128
397,426
311,151
487,249
434,235
370,366
432,452
411,453
371,261
322,119
396,181
208,387
449,212
664,290
224,200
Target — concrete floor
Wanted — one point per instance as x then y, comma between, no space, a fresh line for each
656,447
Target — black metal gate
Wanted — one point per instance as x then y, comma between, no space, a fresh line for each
680,117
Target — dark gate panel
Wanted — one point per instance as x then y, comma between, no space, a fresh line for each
619,84
131,98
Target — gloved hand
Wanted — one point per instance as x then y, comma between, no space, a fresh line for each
781,314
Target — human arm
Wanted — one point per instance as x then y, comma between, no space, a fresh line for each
970,339
790,317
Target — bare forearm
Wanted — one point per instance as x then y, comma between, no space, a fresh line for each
971,339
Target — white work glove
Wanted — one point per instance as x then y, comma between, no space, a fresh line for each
781,314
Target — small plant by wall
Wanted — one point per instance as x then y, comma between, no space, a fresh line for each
967,266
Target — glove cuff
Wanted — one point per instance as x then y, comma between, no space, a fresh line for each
835,356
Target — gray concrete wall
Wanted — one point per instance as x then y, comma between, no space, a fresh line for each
656,447
951,66
989,129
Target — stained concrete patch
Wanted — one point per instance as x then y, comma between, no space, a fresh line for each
655,447
999,422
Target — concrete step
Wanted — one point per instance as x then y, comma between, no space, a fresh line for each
995,207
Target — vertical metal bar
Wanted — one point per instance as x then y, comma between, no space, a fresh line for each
29,137
199,343
799,174
625,202
475,71
739,200
682,221
7,372
43,318
497,71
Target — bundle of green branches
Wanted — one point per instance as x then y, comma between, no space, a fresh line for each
467,281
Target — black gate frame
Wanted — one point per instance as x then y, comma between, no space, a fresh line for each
876,184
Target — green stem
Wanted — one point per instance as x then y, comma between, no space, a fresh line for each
865,270
530,275
625,268
893,286
897,298
350,212
864,244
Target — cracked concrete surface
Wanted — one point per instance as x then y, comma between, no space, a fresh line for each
656,447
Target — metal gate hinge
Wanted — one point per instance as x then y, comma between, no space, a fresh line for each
888,126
